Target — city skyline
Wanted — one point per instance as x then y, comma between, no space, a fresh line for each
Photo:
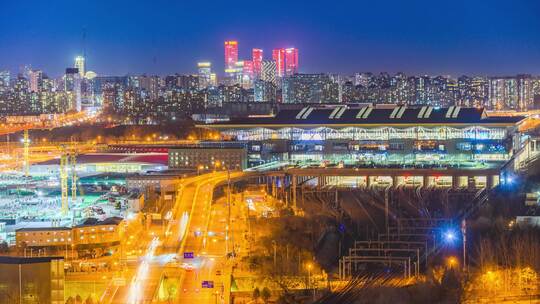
415,38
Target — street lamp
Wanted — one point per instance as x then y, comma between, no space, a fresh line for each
309,267
451,262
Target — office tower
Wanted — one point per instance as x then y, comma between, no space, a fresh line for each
269,71
205,74
36,80
80,64
278,55
257,58
72,86
231,56
291,61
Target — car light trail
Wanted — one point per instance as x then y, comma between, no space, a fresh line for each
136,289
183,225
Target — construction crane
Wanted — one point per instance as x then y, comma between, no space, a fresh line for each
26,152
64,180
74,179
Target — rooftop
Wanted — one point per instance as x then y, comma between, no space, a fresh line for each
95,222
28,229
23,260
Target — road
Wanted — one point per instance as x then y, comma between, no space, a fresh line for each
197,227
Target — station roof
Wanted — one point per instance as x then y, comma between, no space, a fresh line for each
95,158
373,116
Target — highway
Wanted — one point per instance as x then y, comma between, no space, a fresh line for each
192,218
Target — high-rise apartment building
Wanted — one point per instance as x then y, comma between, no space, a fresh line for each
503,93
36,80
310,88
4,79
525,88
264,91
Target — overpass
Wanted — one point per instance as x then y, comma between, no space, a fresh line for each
356,177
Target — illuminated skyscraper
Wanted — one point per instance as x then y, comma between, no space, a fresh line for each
205,72
257,57
279,57
291,61
80,64
231,56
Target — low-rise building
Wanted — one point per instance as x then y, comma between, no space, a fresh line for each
50,237
32,280
94,233
233,157
91,233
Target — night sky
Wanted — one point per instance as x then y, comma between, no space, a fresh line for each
492,37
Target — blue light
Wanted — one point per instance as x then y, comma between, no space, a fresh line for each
450,236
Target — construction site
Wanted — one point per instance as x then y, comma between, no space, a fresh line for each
61,185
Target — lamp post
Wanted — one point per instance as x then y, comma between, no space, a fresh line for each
464,242
199,168
309,266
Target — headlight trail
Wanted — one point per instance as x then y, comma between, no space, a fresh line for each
136,289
